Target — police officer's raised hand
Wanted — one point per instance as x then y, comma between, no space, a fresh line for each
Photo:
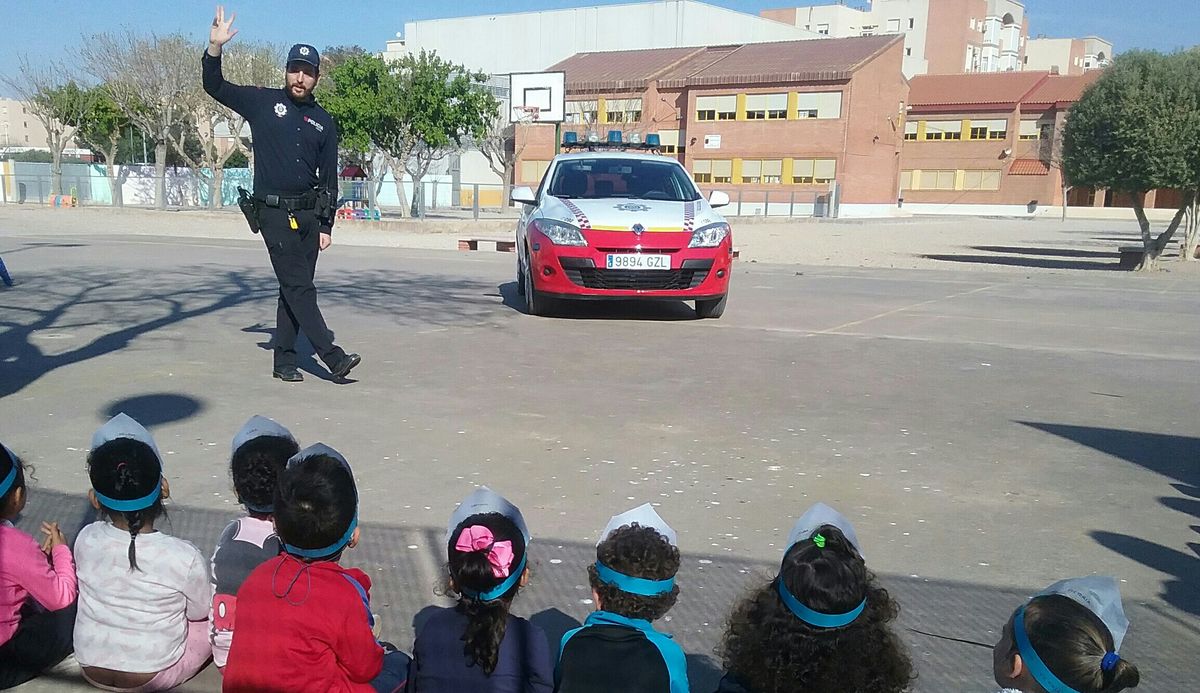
221,32
325,240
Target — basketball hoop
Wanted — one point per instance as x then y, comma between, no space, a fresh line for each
530,114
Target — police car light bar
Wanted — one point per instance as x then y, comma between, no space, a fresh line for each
615,140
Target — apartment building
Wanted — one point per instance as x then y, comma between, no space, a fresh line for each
768,121
1067,56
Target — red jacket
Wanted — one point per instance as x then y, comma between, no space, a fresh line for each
314,636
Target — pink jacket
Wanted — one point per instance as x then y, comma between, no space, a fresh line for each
25,572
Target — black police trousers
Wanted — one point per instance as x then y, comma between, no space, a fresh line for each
294,257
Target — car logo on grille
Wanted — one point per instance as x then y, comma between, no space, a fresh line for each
638,229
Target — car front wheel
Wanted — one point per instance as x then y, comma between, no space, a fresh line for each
711,308
536,303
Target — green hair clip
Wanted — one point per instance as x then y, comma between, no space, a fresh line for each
819,541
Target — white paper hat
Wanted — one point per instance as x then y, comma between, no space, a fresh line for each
1102,596
818,516
257,427
485,500
123,426
318,449
645,516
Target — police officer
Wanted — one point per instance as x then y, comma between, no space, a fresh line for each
295,190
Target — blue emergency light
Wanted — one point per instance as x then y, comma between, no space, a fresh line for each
614,137
570,138
653,141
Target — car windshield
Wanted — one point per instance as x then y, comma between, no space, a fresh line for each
640,179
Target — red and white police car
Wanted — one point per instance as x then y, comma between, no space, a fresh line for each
621,224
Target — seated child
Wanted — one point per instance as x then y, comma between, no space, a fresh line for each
633,584
37,596
821,626
478,645
1065,640
143,595
260,450
304,622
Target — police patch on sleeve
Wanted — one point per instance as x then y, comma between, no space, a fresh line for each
280,109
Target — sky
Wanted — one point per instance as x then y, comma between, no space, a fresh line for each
47,29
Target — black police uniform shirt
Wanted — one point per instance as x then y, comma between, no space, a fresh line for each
295,144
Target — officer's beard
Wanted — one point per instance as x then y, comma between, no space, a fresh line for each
298,93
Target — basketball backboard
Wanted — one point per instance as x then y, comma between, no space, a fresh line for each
537,97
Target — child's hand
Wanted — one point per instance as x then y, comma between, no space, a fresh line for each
54,537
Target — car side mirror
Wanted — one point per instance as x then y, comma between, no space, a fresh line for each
524,195
718,199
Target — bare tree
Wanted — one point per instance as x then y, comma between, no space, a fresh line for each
56,100
499,146
255,63
153,80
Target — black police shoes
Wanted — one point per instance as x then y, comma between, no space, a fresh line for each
343,367
288,374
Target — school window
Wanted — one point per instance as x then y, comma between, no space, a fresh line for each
766,106
912,23
943,130
669,142
755,171
824,104
580,112
712,171
533,170
908,52
937,180
716,107
910,130
989,129
813,171
823,29
893,26
1036,130
981,180
906,178
624,110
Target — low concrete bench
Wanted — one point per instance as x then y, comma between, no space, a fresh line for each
1131,256
503,245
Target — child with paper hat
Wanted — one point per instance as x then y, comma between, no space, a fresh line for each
143,595
37,596
259,451
304,622
1065,640
478,645
633,584
821,626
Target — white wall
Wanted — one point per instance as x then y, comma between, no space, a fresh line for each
845,22
533,41
1045,53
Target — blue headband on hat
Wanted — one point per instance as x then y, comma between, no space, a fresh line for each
328,550
9,480
1037,668
816,618
129,506
633,585
501,589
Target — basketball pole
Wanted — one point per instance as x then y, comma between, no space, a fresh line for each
557,139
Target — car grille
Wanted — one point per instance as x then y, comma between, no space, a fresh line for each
583,273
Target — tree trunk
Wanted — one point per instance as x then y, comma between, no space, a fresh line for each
418,193
160,173
1154,247
114,187
216,196
55,169
1066,189
398,175
1187,250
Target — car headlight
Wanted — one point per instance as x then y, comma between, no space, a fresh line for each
709,236
560,233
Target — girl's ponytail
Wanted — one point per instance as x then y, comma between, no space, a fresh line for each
487,561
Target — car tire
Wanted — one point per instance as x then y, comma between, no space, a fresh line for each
711,308
520,277
536,303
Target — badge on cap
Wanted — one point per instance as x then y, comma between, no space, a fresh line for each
645,516
123,426
485,500
818,516
257,427
303,50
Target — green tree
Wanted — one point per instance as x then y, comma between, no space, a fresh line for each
101,127
1137,129
363,96
56,100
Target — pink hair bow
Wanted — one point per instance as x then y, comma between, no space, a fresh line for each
480,538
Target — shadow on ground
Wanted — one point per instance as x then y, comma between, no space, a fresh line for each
1175,457
607,309
1046,252
52,320
404,563
1038,262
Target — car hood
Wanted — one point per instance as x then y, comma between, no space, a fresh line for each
621,214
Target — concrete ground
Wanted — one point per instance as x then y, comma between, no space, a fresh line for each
988,432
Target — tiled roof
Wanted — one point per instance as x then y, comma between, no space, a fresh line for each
996,89
783,61
1028,167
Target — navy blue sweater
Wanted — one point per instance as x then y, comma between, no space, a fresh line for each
440,665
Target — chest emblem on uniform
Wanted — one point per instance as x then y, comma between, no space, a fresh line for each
280,109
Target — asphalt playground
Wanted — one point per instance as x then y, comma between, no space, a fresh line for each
988,432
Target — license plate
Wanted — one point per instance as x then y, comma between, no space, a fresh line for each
638,261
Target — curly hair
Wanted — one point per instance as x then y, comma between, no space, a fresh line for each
486,620
6,466
255,468
639,552
315,502
1071,641
770,650
125,469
